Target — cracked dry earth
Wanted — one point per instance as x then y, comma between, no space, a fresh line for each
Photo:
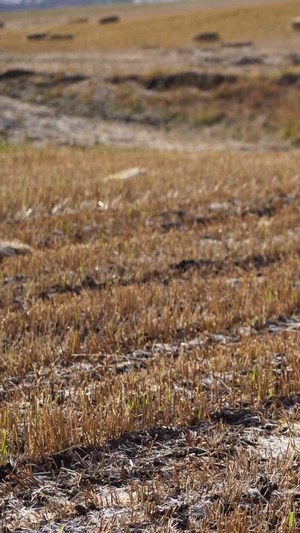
150,343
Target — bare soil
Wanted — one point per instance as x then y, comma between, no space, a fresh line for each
223,97
22,123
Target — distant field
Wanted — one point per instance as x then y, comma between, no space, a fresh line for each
165,26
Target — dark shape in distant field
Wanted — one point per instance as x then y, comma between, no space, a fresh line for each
16,73
288,78
62,37
244,61
203,81
295,59
63,80
296,24
37,36
109,20
2,24
207,37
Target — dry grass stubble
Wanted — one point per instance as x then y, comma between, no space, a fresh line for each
176,306
176,26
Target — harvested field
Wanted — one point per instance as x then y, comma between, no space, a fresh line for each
170,26
149,349
149,269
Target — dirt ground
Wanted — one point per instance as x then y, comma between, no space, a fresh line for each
23,123
230,108
243,96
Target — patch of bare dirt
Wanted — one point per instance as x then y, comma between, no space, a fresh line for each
219,109
22,122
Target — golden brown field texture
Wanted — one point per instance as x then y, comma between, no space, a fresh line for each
149,347
165,26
